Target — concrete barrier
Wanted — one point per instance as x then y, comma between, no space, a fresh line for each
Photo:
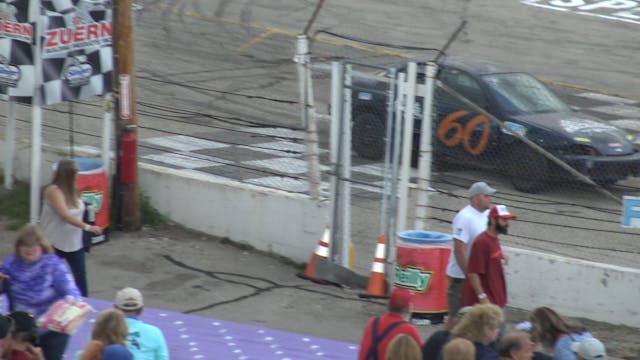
283,223
290,225
573,287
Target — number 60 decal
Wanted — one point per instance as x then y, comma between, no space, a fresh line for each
463,134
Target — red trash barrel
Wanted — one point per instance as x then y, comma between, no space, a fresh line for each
421,266
94,189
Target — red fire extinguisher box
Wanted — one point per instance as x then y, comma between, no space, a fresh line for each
94,189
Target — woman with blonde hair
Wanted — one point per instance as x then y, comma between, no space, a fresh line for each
61,220
109,331
554,332
403,347
459,349
34,279
481,326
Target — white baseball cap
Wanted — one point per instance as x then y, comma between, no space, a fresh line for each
590,349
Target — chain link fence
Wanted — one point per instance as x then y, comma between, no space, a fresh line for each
562,171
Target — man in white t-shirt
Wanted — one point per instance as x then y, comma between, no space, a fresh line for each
468,223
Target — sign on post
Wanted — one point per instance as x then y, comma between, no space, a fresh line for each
631,211
125,97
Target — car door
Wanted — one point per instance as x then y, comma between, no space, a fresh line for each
461,131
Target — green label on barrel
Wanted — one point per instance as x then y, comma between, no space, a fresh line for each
414,278
93,197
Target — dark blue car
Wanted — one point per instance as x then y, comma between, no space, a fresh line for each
462,135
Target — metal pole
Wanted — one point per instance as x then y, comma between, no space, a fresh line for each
407,141
308,119
424,165
106,132
335,144
346,169
10,146
125,50
395,166
301,58
386,186
36,115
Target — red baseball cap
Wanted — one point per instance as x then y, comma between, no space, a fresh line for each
500,211
399,299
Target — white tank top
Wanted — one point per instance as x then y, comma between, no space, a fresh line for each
62,235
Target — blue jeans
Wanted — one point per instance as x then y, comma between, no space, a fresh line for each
76,262
53,344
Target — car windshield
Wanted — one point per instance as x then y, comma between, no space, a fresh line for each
520,93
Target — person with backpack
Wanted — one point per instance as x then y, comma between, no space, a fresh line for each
380,330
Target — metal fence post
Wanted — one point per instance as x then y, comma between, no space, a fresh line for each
426,150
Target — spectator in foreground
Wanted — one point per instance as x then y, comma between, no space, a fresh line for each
459,349
516,346
468,223
61,220
24,338
481,326
403,347
110,329
485,281
434,344
145,341
6,326
556,333
589,349
37,279
380,330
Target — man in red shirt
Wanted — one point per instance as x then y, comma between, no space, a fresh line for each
380,330
485,276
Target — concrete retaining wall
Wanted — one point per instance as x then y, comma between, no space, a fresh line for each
276,221
291,225
573,287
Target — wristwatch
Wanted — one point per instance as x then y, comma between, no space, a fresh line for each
482,296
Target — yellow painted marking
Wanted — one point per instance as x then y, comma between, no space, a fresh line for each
266,31
255,40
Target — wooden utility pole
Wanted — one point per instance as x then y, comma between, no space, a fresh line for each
127,171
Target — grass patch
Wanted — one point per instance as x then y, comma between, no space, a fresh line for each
148,214
14,204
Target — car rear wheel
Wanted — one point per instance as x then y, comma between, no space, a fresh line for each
528,170
367,136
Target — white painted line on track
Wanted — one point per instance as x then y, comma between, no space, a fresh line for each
618,110
183,161
606,98
183,143
274,131
286,165
628,124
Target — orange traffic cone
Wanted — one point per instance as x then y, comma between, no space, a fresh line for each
377,284
322,251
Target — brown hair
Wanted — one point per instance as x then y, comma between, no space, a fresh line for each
514,341
65,180
459,349
403,347
110,327
473,326
548,325
27,235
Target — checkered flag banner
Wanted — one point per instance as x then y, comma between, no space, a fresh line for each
76,50
77,59
16,51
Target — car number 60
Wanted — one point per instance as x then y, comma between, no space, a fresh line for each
463,134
